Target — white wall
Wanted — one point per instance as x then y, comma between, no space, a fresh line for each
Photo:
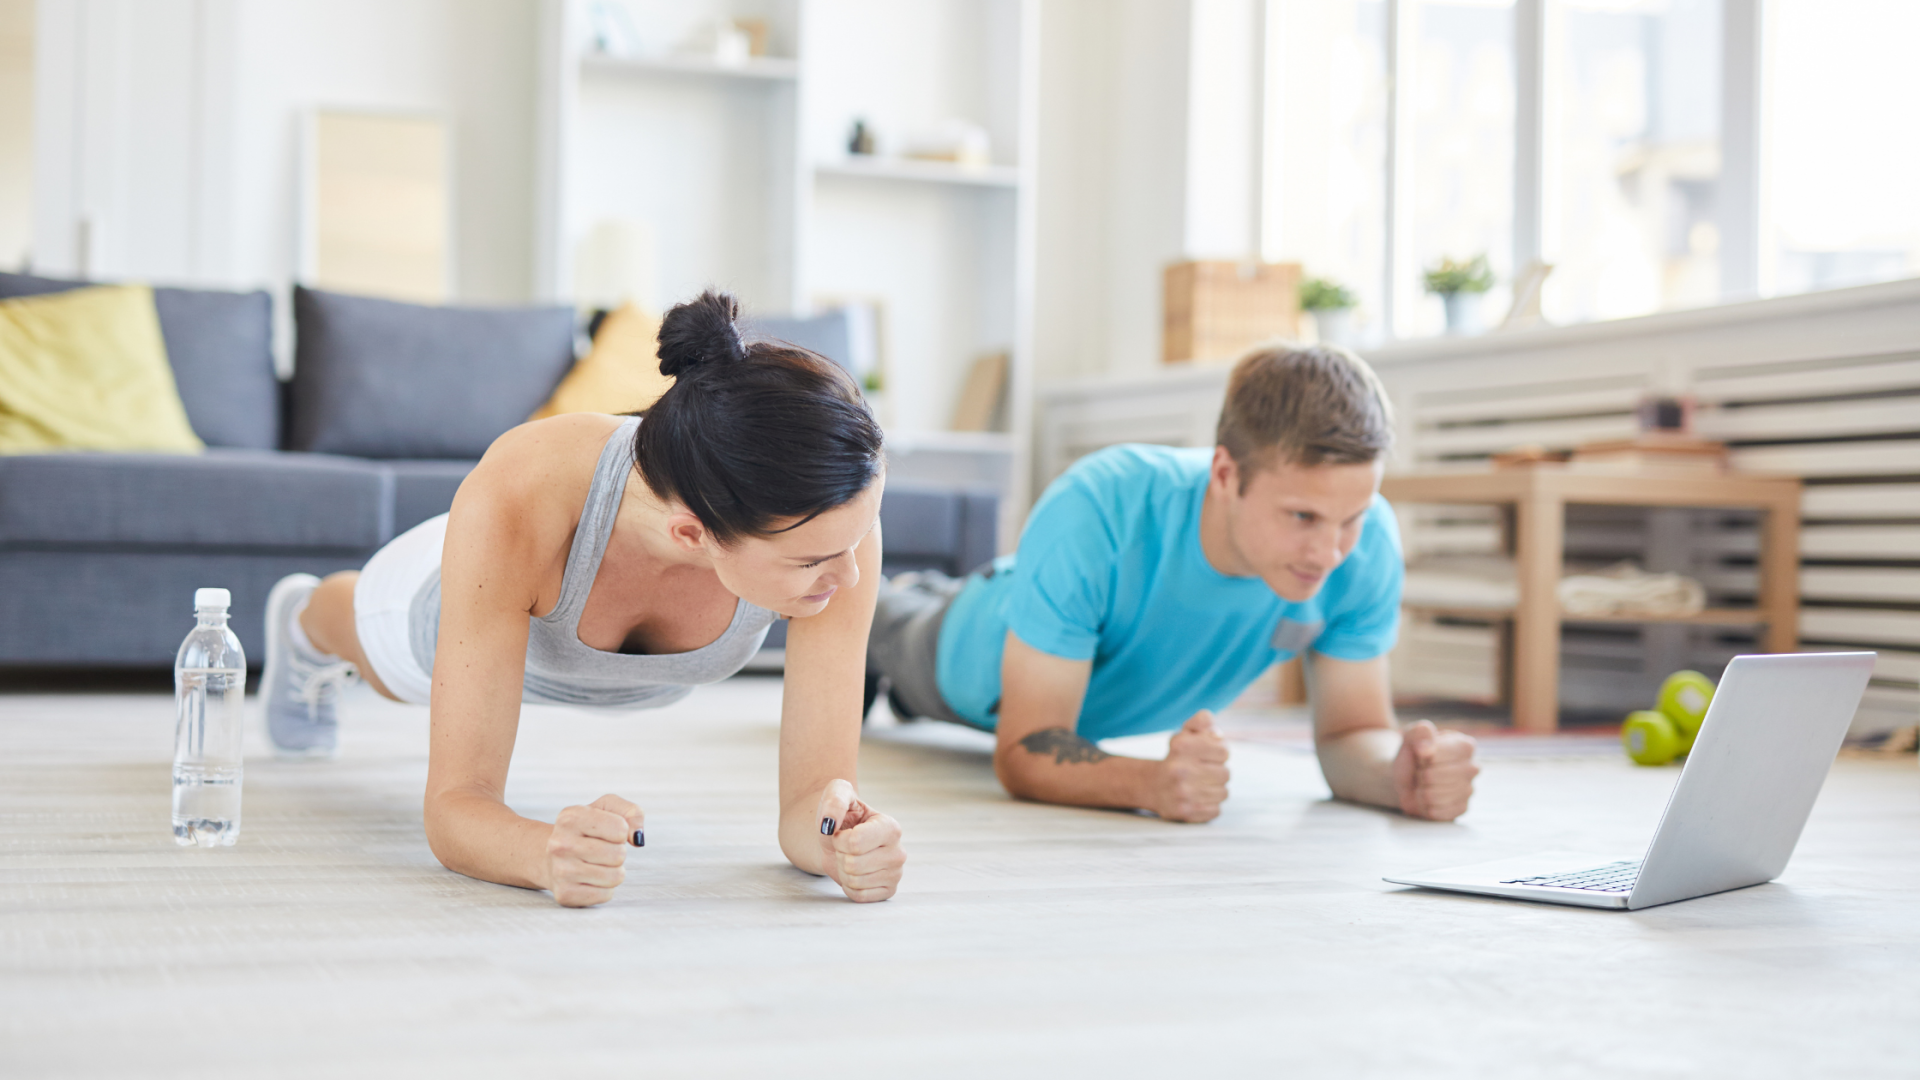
171,126
167,130
468,61
1148,131
1112,181
16,131
1225,47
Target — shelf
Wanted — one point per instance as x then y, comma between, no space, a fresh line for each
754,69
950,442
1709,617
912,170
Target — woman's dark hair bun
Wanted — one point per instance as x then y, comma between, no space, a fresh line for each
700,332
754,439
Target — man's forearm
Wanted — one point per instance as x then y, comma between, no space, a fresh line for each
1054,765
1359,765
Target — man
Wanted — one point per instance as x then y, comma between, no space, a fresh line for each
1152,585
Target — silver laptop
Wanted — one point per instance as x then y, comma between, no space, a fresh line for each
1736,812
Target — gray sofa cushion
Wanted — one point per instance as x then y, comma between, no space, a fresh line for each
221,347
424,489
382,379
927,527
223,499
130,609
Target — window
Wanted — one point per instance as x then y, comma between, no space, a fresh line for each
1394,131
1844,149
1634,128
1327,109
1459,177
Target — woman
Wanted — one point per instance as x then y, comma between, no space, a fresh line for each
616,561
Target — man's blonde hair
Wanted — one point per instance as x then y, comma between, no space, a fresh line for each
1304,405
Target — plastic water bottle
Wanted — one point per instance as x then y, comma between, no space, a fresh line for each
209,690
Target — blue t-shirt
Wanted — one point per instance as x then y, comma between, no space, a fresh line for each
1110,569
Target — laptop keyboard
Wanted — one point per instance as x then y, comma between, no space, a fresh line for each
1613,877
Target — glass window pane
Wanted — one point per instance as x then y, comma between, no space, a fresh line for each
1634,158
1458,184
1327,121
1843,160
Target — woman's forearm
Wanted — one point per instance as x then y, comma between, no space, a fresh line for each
476,835
800,832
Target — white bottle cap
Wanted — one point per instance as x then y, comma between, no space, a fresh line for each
212,598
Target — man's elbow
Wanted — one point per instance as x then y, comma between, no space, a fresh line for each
1017,780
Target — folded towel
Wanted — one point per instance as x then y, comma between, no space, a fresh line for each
1625,589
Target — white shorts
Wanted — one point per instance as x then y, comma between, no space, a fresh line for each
383,606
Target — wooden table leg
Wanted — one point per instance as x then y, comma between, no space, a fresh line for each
1540,533
1780,574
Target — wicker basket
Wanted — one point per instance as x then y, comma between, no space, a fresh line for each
1219,310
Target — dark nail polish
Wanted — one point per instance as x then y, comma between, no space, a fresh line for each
639,838
827,825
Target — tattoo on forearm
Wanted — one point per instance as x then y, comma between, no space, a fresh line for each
1064,745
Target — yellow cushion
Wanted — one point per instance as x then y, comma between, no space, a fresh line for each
87,370
621,373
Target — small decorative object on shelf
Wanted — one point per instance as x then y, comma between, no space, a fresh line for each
1460,286
1331,304
982,404
860,139
612,29
1666,414
1218,310
723,40
1524,312
756,31
962,142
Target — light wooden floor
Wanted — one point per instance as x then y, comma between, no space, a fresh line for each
1027,940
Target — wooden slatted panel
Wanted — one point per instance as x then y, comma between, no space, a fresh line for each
1812,420
1892,457
1842,375
1586,397
1804,416
1827,502
1869,584
1827,584
1889,665
1863,626
1886,708
1890,542
1442,660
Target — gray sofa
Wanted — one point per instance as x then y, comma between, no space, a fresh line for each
390,407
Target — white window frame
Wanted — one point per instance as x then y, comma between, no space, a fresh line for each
1745,269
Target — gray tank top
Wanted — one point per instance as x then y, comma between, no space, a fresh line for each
561,670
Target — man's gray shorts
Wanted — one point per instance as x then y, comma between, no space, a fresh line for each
906,639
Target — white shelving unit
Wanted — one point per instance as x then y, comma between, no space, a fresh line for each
740,175
920,172
759,67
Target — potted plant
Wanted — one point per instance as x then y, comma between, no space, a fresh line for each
1331,304
1460,285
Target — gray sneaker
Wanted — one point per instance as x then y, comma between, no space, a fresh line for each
299,686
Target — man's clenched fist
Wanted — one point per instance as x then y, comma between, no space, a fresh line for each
1433,776
1192,781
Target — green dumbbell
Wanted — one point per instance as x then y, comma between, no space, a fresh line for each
1651,737
1684,698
